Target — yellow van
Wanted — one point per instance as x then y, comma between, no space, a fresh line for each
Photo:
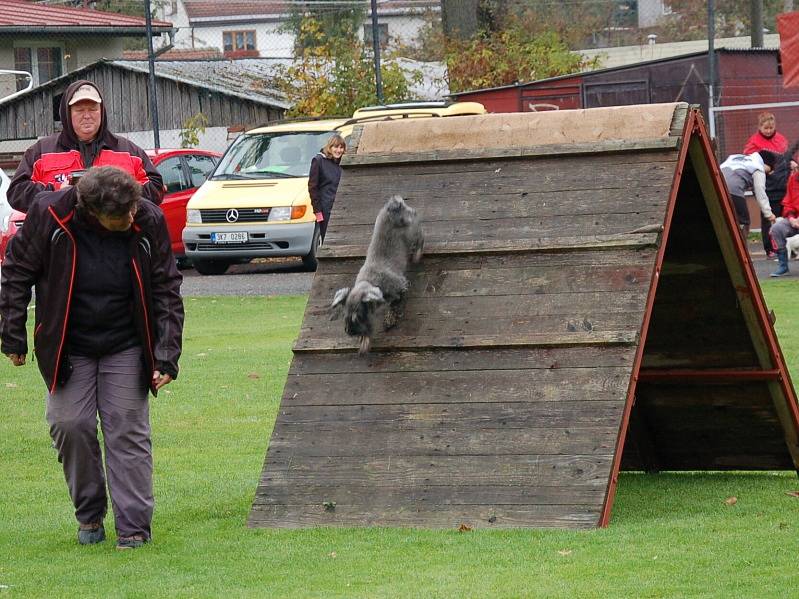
256,202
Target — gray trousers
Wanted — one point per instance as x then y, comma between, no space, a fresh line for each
111,388
780,232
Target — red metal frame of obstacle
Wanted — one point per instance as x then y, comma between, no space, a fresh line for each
695,129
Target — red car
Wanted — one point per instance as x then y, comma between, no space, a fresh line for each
183,172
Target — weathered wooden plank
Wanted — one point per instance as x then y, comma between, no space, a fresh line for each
596,147
613,356
732,460
439,281
563,316
518,415
446,440
503,340
501,229
476,204
502,246
625,257
510,470
553,174
561,384
384,498
491,516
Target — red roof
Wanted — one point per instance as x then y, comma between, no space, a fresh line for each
203,9
20,13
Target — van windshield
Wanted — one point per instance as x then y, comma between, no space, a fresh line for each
260,155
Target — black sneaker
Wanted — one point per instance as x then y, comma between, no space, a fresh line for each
133,542
89,534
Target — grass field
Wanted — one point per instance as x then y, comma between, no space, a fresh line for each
670,535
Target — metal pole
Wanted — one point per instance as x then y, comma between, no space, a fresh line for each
151,61
376,47
757,24
711,62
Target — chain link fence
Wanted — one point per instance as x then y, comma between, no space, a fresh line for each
224,67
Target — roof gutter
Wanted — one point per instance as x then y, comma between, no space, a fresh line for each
22,91
81,29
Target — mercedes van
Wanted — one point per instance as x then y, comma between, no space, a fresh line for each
256,202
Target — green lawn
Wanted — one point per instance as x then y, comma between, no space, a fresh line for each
670,535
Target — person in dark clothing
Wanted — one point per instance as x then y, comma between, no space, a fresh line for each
324,178
84,142
108,327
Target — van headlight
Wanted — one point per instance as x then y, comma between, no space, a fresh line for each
279,213
193,217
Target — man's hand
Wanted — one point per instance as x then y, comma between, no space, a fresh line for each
17,359
159,380
772,219
319,216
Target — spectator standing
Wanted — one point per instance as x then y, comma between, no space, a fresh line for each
324,178
108,327
767,138
85,141
747,172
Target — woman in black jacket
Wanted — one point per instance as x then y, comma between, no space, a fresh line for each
323,180
108,327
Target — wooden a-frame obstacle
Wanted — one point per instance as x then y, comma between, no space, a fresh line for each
585,305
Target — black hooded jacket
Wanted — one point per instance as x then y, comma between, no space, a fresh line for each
47,164
45,254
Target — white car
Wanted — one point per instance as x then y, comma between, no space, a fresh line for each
5,208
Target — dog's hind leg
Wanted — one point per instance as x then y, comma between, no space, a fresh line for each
395,313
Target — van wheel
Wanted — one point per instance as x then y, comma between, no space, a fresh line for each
210,267
309,261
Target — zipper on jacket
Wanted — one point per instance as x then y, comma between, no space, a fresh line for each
146,318
62,224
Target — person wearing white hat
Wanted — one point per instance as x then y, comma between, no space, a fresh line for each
57,161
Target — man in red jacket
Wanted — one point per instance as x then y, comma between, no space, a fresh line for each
48,165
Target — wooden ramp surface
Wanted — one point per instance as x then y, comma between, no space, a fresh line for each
502,397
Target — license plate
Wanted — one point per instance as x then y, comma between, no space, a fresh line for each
231,237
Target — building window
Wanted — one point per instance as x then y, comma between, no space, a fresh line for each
382,30
44,63
239,43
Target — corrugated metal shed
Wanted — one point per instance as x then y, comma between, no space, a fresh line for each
585,297
228,93
744,77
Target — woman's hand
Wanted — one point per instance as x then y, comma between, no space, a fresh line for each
17,359
319,217
159,380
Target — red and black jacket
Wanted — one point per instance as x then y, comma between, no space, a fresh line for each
47,164
44,254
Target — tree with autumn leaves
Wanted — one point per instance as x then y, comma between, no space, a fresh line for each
335,74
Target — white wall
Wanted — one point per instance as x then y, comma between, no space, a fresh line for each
270,41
